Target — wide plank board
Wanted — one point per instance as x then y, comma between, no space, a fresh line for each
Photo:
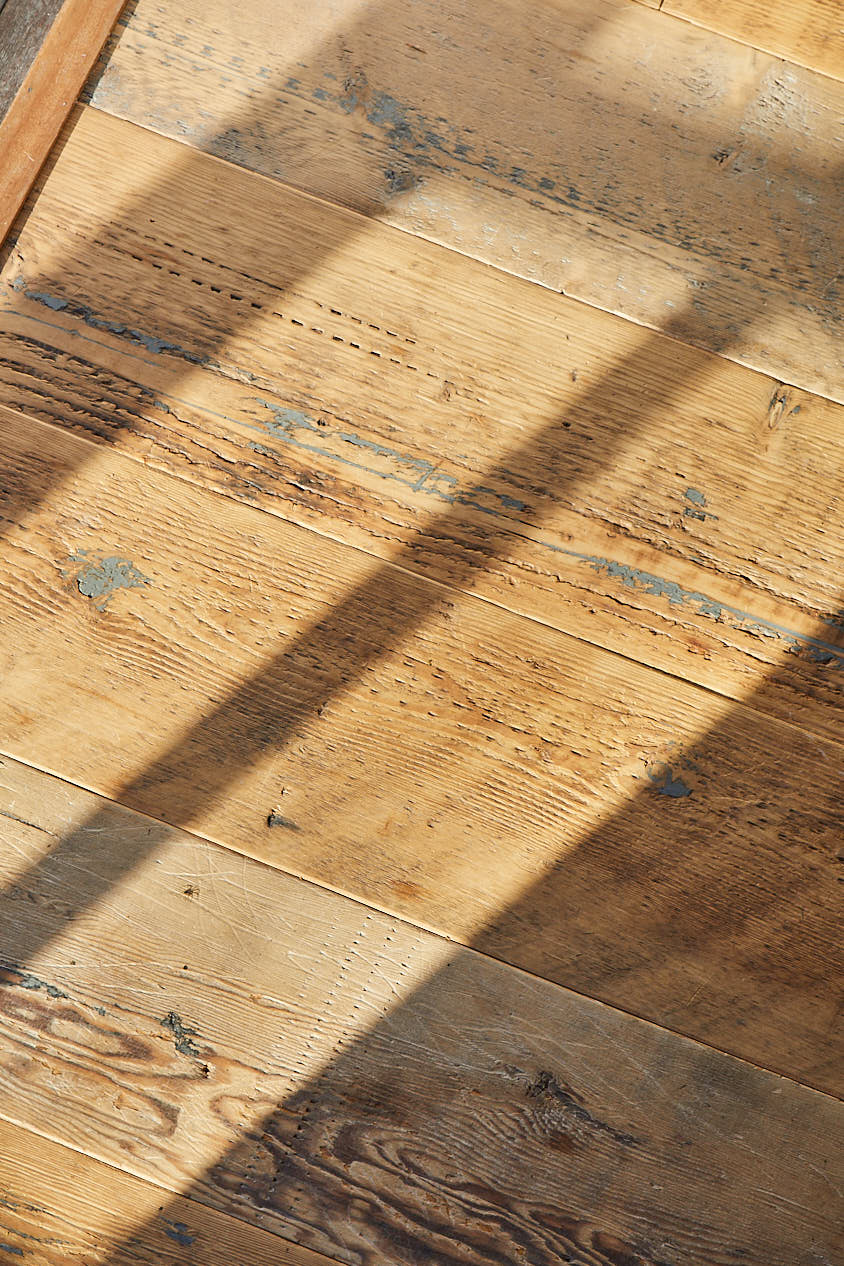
58,1206
624,157
606,826
49,51
809,32
365,1088
607,481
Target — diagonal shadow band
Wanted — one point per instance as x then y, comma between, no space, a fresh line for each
264,712
303,1195
378,1156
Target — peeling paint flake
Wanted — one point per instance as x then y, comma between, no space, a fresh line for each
179,1232
82,312
667,783
26,980
99,578
182,1035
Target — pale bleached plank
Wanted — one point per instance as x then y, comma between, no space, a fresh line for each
638,162
606,826
59,1206
808,32
68,43
348,1081
653,499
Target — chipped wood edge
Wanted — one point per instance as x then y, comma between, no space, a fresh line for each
47,95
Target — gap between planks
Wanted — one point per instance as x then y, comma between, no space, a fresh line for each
549,577
451,1076
436,585
714,120
41,1195
165,829
554,808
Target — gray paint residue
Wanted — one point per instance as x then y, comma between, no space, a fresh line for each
417,473
819,652
667,782
182,1035
695,509
99,578
28,981
179,1232
274,818
302,431
11,1248
286,421
80,310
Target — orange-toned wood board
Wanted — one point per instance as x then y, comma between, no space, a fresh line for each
604,480
809,32
610,827
625,157
352,1083
68,39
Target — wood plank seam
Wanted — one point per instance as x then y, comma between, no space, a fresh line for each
275,1180
399,565
361,608
475,1035
379,126
633,577
747,34
367,914
490,546
43,1190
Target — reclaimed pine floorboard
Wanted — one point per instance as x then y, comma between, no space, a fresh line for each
487,641
606,150
59,1206
615,829
434,412
359,1086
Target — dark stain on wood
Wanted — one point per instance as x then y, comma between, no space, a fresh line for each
182,1035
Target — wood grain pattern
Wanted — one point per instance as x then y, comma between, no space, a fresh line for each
43,101
647,497
637,162
573,812
809,32
59,1206
364,1088
23,25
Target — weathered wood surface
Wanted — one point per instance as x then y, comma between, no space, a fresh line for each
609,827
58,46
23,26
648,497
810,32
59,1206
638,162
361,1086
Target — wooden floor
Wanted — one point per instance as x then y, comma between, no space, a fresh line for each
421,641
